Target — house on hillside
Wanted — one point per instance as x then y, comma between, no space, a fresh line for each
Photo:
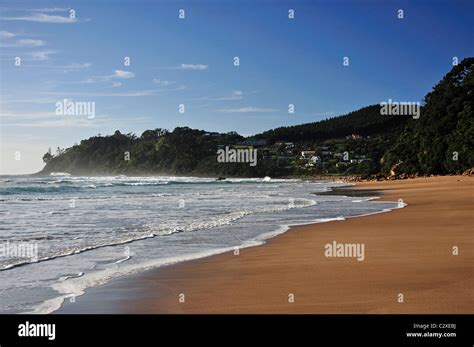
307,154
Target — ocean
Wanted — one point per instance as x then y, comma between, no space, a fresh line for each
60,235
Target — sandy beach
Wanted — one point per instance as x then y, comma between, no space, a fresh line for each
408,267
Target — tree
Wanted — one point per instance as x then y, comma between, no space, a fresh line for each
47,156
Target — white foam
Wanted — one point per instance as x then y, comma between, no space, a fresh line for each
77,286
123,259
60,174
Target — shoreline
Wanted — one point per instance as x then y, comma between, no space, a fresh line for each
65,306
260,279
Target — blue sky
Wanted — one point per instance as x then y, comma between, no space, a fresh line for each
190,61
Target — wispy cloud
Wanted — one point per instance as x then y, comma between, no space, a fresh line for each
6,34
161,82
50,9
70,122
41,55
78,66
114,79
8,99
43,18
66,68
247,109
236,95
195,67
122,74
49,119
75,66
27,115
27,43
117,75
148,92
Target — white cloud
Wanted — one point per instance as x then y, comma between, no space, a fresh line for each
50,9
41,55
74,66
25,43
7,100
43,18
236,95
116,84
45,55
148,92
30,43
6,34
118,74
48,119
27,115
195,67
163,83
122,74
87,80
65,122
247,109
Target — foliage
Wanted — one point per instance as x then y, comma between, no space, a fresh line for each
443,133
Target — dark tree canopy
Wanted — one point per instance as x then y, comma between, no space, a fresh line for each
441,140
